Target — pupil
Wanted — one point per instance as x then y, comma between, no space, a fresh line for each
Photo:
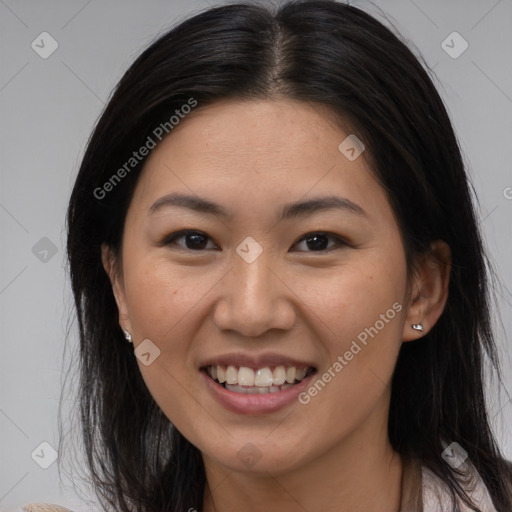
318,245
195,237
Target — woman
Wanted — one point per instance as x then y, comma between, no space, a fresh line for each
279,277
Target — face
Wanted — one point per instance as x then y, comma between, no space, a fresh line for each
269,286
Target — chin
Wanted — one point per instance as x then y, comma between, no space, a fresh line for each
258,455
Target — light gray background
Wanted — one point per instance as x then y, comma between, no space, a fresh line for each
48,108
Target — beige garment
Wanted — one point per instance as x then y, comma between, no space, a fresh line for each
424,491
44,507
436,495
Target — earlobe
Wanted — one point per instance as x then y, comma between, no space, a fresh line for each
108,261
429,291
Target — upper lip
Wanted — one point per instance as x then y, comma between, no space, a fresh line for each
255,361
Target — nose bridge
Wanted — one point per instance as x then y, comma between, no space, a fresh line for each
254,299
255,280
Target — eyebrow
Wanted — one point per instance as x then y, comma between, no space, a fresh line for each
289,211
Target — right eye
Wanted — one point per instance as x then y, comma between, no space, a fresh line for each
194,240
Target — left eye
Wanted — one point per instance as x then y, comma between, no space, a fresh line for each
319,241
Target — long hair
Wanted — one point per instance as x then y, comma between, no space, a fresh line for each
321,52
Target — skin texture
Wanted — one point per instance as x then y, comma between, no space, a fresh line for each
252,157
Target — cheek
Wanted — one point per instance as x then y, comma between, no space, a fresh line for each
363,310
361,298
161,295
163,305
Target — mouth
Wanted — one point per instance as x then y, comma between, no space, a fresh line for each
257,381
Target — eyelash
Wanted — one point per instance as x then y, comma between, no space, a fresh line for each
171,239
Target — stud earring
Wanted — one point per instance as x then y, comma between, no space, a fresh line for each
418,327
128,336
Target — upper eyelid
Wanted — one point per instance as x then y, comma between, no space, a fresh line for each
181,233
338,238
320,232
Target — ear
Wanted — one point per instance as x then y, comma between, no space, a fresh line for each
108,260
429,290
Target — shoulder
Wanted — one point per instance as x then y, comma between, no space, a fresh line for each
43,507
436,492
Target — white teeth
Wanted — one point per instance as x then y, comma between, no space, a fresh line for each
290,374
245,376
231,375
279,375
263,377
300,373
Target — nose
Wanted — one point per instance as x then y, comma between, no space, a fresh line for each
254,298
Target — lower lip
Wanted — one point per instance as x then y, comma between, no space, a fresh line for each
242,403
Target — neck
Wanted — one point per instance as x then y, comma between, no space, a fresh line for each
362,472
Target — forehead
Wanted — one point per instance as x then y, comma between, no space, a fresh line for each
260,128
256,150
